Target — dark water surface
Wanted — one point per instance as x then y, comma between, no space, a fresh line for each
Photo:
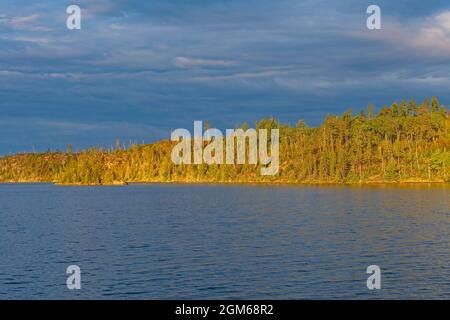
220,242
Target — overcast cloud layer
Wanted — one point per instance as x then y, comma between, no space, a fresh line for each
140,69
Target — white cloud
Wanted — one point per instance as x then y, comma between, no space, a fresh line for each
184,62
18,22
429,37
25,23
443,20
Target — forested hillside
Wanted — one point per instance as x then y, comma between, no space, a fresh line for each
403,142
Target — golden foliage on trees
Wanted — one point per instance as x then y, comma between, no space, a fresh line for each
404,142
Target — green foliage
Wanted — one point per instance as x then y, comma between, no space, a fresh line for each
391,170
401,143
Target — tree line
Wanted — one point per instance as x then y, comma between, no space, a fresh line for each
403,142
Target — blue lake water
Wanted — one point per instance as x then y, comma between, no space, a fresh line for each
224,242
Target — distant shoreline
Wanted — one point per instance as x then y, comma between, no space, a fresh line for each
249,183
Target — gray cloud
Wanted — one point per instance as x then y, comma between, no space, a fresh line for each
159,65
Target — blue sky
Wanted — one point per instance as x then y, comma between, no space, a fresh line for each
139,69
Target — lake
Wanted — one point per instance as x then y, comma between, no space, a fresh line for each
224,241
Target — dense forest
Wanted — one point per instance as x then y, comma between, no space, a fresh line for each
401,143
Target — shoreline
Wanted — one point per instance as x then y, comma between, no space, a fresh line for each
240,183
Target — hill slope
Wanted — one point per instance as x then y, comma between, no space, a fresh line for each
404,142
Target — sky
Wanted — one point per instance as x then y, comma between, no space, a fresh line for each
139,69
